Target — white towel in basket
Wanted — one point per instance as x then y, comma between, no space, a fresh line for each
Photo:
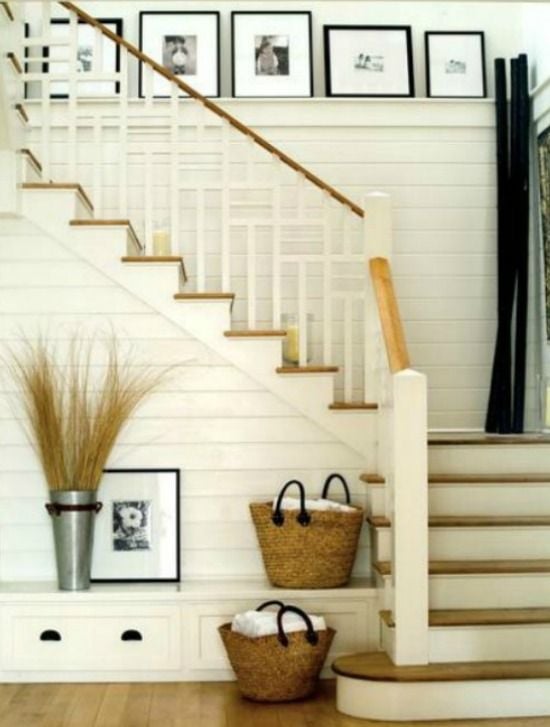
293,503
264,623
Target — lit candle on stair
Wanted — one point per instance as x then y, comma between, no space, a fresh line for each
291,346
161,242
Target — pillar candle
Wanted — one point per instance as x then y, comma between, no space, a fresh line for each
161,242
292,344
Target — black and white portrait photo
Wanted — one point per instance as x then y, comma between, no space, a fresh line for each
131,525
454,66
179,54
368,62
84,56
271,55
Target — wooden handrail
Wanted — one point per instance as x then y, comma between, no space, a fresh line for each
218,110
388,310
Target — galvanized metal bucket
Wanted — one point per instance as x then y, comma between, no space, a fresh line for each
72,513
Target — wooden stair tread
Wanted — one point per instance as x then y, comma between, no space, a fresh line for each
63,185
22,111
481,617
204,296
16,63
353,405
504,478
111,223
472,521
8,10
152,259
28,153
257,333
377,666
473,479
477,567
307,369
475,438
372,478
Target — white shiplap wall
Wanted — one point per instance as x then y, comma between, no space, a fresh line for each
233,441
436,159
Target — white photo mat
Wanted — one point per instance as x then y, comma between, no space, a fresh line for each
290,72
455,64
136,534
186,43
368,61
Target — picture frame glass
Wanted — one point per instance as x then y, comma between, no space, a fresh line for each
137,531
368,61
455,65
187,44
272,54
87,51
543,149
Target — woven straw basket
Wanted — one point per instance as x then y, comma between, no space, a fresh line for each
303,549
281,667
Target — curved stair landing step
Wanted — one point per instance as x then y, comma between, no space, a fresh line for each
370,686
476,567
480,617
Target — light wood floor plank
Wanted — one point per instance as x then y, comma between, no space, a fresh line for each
186,705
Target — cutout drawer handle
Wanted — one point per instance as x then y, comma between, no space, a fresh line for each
131,635
50,635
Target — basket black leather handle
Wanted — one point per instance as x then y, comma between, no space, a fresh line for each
270,603
328,481
50,635
131,635
311,635
303,517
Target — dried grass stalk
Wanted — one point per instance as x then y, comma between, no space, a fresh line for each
72,424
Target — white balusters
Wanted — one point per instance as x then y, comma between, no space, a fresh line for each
123,131
200,241
327,279
174,161
276,244
73,89
97,165
225,206
251,275
148,200
302,313
348,348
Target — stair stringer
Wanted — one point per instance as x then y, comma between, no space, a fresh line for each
309,395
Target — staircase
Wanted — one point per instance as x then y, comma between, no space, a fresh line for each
461,566
489,566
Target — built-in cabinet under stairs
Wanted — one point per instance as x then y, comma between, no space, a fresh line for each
489,589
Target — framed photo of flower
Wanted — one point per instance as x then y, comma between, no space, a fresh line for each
95,53
187,44
272,54
368,60
455,64
137,532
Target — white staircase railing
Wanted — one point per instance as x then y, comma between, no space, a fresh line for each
248,218
402,450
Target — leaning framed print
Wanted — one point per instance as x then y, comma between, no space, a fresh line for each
95,53
455,64
272,54
368,60
185,43
137,532
543,149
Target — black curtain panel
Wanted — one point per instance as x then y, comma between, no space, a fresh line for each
505,410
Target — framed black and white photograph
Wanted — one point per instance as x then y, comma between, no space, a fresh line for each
95,53
455,64
272,54
368,60
543,149
137,532
185,43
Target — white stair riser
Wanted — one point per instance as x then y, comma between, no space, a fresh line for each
260,354
517,499
53,209
525,590
162,279
519,642
103,243
406,701
467,543
487,459
214,315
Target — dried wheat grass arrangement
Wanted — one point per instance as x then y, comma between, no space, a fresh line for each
72,420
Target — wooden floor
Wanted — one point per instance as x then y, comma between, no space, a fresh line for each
181,705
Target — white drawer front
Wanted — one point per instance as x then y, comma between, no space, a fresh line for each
91,637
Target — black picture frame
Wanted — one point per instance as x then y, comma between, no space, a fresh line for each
207,23
116,26
293,56
352,71
128,530
455,69
543,154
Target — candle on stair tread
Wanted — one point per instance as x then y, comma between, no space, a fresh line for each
161,242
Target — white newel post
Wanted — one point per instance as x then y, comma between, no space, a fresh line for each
377,242
410,517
